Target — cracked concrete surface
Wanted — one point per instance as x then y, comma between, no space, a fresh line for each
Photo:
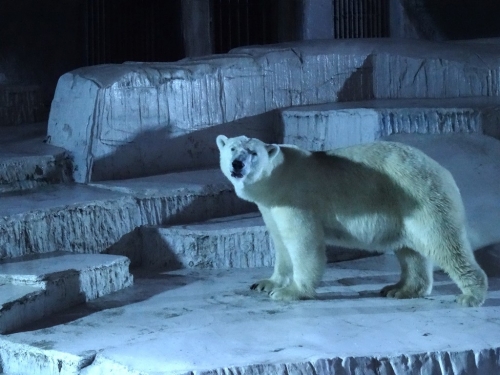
208,321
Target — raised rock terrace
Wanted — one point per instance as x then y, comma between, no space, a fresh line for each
126,174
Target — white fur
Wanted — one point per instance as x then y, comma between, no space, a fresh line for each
382,196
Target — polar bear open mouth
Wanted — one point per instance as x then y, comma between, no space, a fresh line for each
237,168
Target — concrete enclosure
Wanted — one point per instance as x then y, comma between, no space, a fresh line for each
125,175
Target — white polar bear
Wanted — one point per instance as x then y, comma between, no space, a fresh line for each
381,196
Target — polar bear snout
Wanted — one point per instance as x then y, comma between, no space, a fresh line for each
238,166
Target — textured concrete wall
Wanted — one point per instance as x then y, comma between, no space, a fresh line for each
122,121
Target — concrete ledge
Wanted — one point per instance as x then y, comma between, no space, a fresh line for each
123,121
208,321
231,242
31,163
480,362
90,219
334,125
37,286
37,359
72,218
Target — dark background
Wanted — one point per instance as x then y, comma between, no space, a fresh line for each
42,39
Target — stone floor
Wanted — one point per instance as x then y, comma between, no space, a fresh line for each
210,322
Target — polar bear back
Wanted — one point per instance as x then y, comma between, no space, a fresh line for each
377,176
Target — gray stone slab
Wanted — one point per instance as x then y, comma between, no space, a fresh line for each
9,293
240,241
341,124
205,322
73,218
34,287
171,199
27,162
237,241
91,219
123,121
181,198
203,181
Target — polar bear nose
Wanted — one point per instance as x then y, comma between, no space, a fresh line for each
238,165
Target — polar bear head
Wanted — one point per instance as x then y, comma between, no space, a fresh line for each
245,160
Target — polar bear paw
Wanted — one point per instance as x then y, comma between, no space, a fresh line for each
278,292
291,293
404,291
468,300
266,285
285,294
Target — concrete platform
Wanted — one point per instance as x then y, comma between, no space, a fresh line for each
90,219
207,321
240,241
129,120
27,162
210,322
342,124
34,287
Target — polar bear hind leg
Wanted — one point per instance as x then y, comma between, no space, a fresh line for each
459,263
444,242
416,276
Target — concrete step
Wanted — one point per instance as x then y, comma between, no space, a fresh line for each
27,162
341,124
209,321
90,219
240,241
34,287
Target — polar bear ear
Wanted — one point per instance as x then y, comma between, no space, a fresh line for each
272,150
221,141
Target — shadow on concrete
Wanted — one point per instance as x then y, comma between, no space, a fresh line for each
359,86
146,285
170,148
487,257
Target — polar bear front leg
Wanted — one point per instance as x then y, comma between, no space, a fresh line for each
303,237
282,274
416,276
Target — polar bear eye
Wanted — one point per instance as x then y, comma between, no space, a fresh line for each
253,153
232,149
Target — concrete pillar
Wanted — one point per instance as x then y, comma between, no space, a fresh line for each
198,39
317,19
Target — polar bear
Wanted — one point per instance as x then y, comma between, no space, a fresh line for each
382,196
